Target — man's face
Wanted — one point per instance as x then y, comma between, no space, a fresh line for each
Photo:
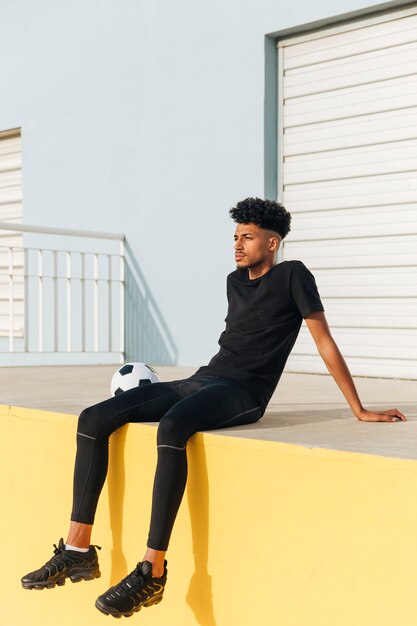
254,246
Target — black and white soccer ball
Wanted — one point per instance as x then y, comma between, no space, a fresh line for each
132,375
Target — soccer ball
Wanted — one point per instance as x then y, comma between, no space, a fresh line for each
132,375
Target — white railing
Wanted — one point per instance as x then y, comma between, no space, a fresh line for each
62,300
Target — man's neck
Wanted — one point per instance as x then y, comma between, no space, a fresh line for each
257,272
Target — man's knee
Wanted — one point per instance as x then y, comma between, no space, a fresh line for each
171,432
89,422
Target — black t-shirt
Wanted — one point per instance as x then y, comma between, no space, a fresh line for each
263,321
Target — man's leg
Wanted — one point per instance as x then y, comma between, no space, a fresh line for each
79,535
218,403
95,424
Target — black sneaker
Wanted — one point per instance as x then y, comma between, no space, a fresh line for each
135,590
64,564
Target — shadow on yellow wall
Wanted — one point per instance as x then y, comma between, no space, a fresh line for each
199,596
116,491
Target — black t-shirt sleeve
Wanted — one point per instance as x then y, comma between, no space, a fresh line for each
304,290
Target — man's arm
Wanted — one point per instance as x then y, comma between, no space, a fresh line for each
335,363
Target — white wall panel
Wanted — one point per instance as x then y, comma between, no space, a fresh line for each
360,70
376,282
383,190
351,40
395,93
10,211
368,343
10,176
10,188
373,312
366,130
364,252
357,222
400,156
348,169
392,368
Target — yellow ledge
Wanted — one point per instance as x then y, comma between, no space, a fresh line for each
268,533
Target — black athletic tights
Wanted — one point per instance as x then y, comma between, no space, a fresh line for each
181,407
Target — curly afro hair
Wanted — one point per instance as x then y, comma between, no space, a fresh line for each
264,213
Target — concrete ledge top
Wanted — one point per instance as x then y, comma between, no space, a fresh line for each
306,409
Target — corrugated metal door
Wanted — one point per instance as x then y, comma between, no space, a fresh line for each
348,174
11,254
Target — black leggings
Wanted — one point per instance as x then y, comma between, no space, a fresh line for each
182,408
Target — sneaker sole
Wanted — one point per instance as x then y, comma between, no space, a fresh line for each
74,578
115,613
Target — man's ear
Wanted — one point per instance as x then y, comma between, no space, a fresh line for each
274,243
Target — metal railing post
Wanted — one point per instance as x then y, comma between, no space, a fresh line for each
69,302
40,300
26,303
122,300
83,308
55,292
110,302
11,302
95,301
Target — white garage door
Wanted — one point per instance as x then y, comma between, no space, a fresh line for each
348,174
11,254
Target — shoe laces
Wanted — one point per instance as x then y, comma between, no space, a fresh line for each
132,581
60,558
58,550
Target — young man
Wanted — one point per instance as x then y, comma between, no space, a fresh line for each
267,304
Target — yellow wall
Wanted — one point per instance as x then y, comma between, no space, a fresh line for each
268,533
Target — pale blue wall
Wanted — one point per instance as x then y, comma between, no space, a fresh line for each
147,118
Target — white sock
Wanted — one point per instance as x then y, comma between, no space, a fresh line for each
68,546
